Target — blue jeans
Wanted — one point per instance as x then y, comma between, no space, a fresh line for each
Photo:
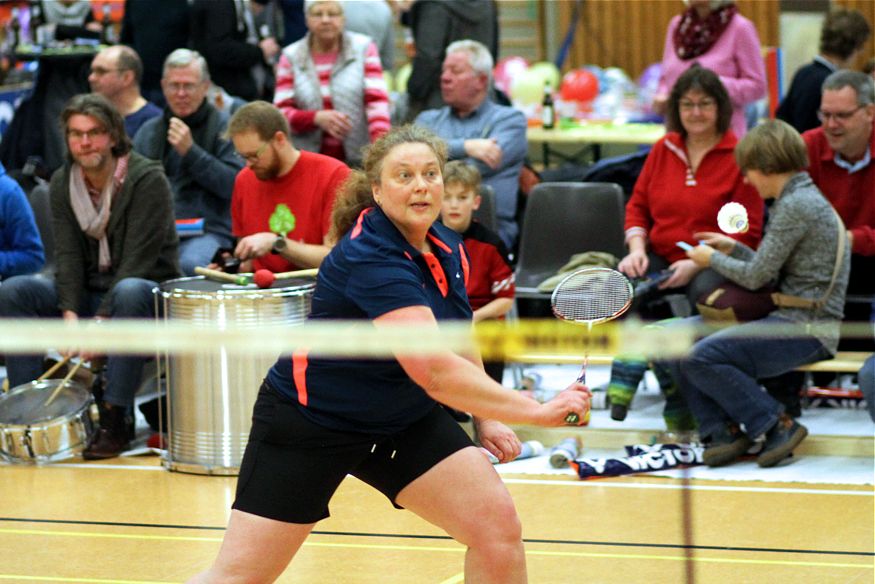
719,378
199,250
866,378
35,297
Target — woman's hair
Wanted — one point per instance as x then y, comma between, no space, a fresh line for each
98,107
356,194
464,174
701,79
260,117
308,4
773,147
844,32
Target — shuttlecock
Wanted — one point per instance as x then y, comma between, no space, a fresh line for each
732,218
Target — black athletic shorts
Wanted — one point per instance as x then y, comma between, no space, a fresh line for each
292,466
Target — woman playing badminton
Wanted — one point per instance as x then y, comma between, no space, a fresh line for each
318,419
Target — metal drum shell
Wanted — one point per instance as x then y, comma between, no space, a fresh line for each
46,439
211,395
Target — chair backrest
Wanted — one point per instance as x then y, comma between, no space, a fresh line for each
563,219
38,197
486,213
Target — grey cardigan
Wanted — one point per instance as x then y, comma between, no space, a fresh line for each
798,251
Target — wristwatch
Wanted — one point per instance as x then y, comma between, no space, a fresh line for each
279,245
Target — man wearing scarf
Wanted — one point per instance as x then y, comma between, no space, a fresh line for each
200,164
115,241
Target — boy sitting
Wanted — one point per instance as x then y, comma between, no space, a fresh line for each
491,281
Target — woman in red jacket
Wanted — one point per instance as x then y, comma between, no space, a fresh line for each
688,176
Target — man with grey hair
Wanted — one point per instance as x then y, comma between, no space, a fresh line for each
200,163
840,154
477,130
115,73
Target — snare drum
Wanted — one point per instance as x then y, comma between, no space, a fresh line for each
32,432
211,395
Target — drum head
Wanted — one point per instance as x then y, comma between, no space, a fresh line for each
196,284
25,404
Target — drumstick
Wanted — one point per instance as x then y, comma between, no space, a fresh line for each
218,276
297,273
54,368
62,384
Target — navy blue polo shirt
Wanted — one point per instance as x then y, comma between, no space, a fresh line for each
371,272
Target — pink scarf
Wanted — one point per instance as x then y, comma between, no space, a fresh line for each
93,217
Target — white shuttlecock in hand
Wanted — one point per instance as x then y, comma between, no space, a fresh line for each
732,218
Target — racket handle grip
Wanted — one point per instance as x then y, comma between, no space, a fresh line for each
573,419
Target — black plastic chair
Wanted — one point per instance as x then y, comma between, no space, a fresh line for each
486,213
38,197
563,219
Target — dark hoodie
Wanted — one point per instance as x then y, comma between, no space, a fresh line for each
436,24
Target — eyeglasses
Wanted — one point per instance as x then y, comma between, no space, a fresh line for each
840,117
253,158
92,134
184,87
100,71
704,105
319,14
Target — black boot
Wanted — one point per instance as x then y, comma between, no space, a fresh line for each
112,437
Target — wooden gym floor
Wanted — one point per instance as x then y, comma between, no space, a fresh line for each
130,521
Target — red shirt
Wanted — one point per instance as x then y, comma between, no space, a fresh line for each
852,195
491,276
670,206
308,190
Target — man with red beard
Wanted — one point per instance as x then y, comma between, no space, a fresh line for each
282,200
115,240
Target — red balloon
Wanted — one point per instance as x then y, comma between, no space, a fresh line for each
263,278
506,69
579,85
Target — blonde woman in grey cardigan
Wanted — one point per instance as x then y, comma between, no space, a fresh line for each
803,253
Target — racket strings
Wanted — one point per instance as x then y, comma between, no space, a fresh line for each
592,296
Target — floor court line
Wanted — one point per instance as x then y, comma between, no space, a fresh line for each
449,549
425,537
441,537
563,481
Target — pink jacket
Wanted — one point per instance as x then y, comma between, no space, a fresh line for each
736,58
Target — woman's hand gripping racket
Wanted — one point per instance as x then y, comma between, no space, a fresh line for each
590,296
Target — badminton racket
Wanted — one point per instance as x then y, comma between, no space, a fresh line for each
588,297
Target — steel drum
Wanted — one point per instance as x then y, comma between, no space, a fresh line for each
210,395
33,432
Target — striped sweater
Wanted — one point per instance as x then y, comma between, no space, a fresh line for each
350,81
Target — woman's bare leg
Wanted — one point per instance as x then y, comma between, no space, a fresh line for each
464,495
255,550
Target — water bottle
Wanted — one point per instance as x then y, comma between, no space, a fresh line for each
530,448
566,450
